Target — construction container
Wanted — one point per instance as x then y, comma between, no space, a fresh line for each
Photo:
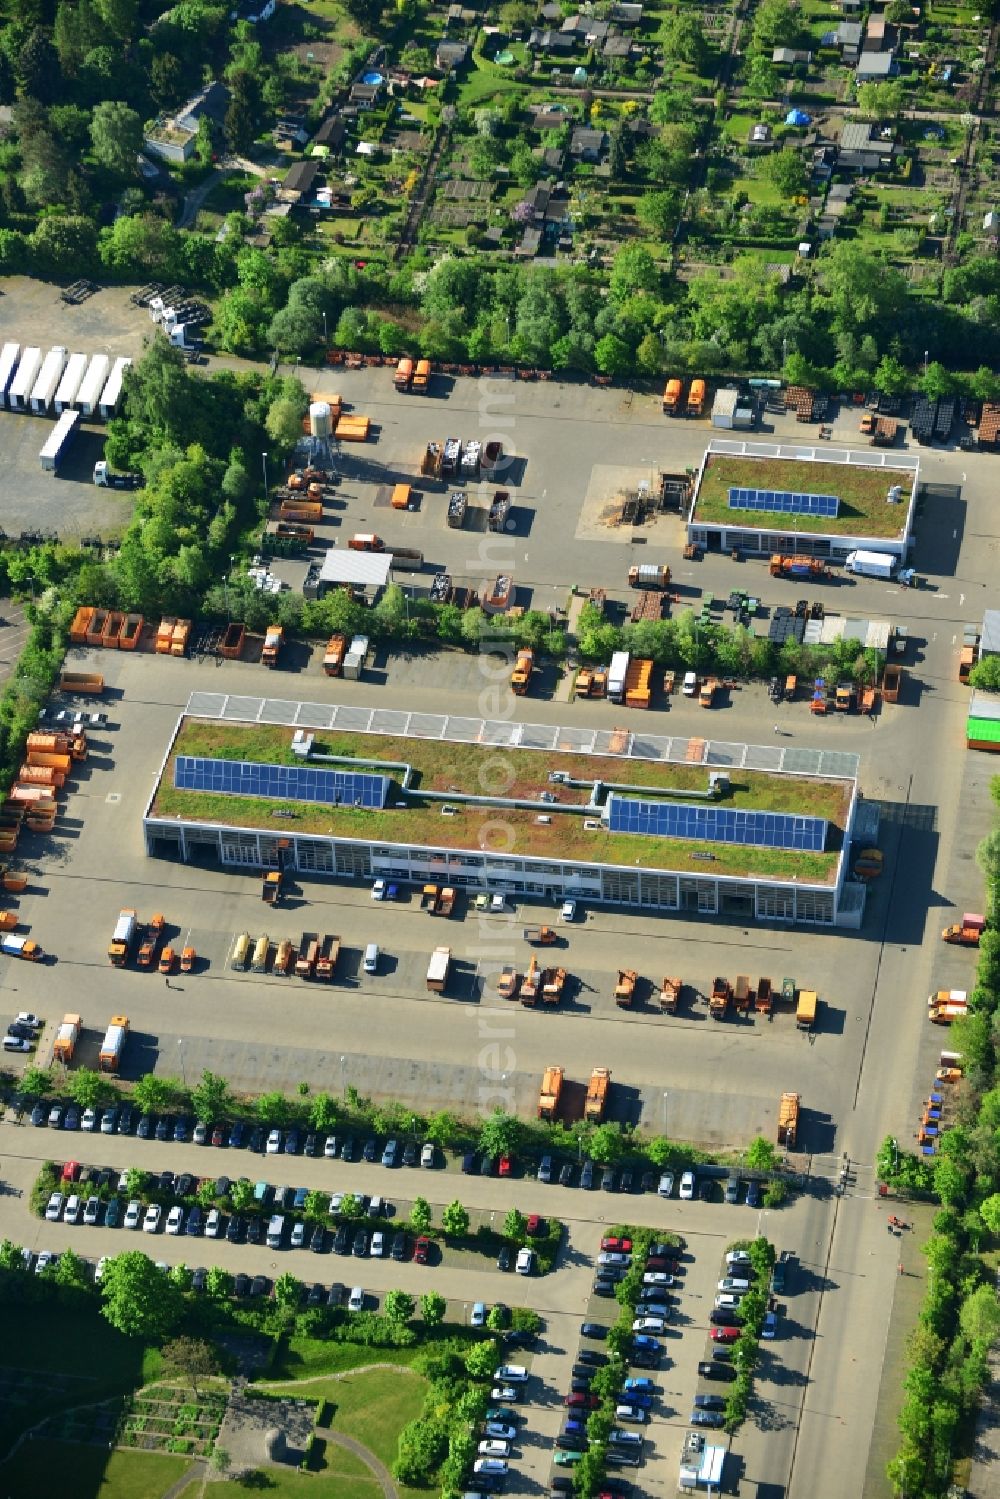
131,632
179,638
112,630
164,635
638,692
81,624
95,630
353,429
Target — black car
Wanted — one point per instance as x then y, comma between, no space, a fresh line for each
113,1216
234,1229
39,1116
241,1286
663,1251
560,1484
347,1149
22,1032
753,1194
342,1240
258,1139
103,1178
316,1296
604,1287
335,1295
165,1182
318,1241
723,1353
625,1185
710,1402
260,1286
164,1127
146,1126
222,1186
370,1152
398,1249
237,1135
184,1185
545,1169
706,1189
292,1142
722,1316
650,1180
193,1225
411,1155
182,1131
503,1258
309,1148
255,1230
592,1356
587,1176
572,1441
469,1163
608,1179
712,1370
199,1278
566,1174
360,1245
583,1372
126,1120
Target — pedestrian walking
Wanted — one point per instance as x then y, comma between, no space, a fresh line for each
777,729
166,981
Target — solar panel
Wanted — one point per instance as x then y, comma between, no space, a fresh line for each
716,824
297,783
784,501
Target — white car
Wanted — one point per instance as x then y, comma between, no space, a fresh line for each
330,1148
493,1447
728,1302
490,1465
733,1283
25,1017
511,1374
568,911
525,1262
175,1221
298,1238
102,1265
666,1187
213,1224
427,1153
649,1324
478,1317
356,1300
378,1245
336,1198
44,1260
73,1208
54,1207
738,1257
687,1186
89,1120
133,1213
378,890
658,1278
633,1413
151,1222
504,1393
690,687
500,1429
274,1142
614,1257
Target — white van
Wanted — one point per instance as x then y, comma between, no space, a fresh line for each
275,1230
371,958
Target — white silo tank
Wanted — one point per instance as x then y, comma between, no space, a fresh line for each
319,419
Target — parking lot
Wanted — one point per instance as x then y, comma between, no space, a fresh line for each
859,1074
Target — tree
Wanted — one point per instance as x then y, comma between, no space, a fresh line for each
242,116
634,270
455,1220
786,171
37,67
221,1460
241,1195
36,1082
500,1134
891,377
881,101
936,382
443,1128
776,24
682,38
659,212
398,1306
138,1299
87,1088
350,1205
514,1224
432,1308
420,1215
218,1283
481,1359
211,1098
72,1272
181,1277
193,1358
322,1113
272,1109
986,674
116,136
605,1144
317,1206
989,1211
287,1291
761,1154
612,355
136,1181
496,1318
283,423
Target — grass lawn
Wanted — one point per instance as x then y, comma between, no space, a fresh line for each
78,1472
92,1360
305,1358
861,492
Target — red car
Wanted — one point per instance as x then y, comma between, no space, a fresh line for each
656,1262
534,1226
725,1334
623,1246
587,1402
421,1250
506,1165
71,1171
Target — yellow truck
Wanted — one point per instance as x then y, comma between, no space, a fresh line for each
805,1013
548,1098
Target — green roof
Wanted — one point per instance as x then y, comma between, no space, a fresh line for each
984,730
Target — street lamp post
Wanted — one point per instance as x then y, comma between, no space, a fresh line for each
324,327
225,589
665,1097
263,459
343,1076
180,1053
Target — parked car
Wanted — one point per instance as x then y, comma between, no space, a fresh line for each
707,1418
687,1186
151,1222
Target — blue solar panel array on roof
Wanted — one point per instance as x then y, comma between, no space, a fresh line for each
784,501
716,824
297,783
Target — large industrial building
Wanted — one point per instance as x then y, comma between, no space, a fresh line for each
615,817
767,498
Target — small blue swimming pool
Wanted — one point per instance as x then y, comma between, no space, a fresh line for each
372,79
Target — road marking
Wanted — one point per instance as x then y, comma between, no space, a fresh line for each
963,478
961,600
954,535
